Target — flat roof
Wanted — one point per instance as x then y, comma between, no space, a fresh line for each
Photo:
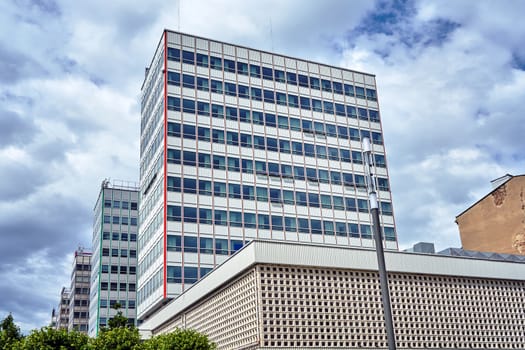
330,256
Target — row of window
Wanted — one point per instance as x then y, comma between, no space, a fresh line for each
296,124
123,253
274,222
191,274
130,304
203,107
104,320
274,195
268,143
114,286
115,236
204,245
122,269
281,76
120,204
249,166
120,220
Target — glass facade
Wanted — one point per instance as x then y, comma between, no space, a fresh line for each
239,144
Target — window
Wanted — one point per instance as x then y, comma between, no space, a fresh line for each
269,120
217,111
256,94
203,84
173,103
246,140
317,105
190,244
190,274
297,148
288,197
257,118
255,71
217,136
203,108
188,57
271,144
244,115
295,124
173,129
203,134
173,54
389,233
280,98
262,194
353,230
290,224
205,187
338,87
216,86
293,101
298,173
279,76
263,222
116,220
234,191
291,78
267,73
362,205
173,78
248,192
326,201
221,217
232,138
221,246
300,198
316,227
277,223
382,184
357,157
242,68
188,106
247,166
249,220
229,65
349,90
173,213
105,251
174,274
233,164
190,185
335,177
326,85
328,228
206,245
216,62
104,285
366,231
235,219
219,189
386,208
205,216
202,60
286,171
188,131
315,83
340,109
269,96
338,202
284,146
313,200
379,160
188,81
348,179
189,158
275,195
230,89
359,92
303,225
350,204
204,160
244,91
105,269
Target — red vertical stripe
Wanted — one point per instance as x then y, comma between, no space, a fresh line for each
165,272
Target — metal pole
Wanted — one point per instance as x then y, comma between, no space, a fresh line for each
383,277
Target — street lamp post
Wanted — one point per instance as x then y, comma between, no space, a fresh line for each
383,277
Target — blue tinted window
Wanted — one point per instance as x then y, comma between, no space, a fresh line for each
303,225
280,98
301,198
256,94
190,214
202,60
277,223
297,148
229,66
174,156
219,162
216,86
279,76
349,90
315,83
204,160
351,112
221,218
190,274
340,109
205,187
363,114
174,78
173,103
357,157
295,124
269,120
189,158
271,144
230,89
305,102
350,204
303,80
326,85
232,138
173,54
291,78
174,274
345,155
217,136
244,91
242,68
293,101
267,73
188,106
379,160
216,62
234,191
203,108
244,115
328,107
371,94
316,227
328,228
232,113
221,246
188,57
354,134
338,87
317,105
205,217
235,219
298,173
189,131
173,129
255,71
269,96
263,221
203,84
374,115
353,230
284,146
359,92
217,111
313,200
173,213
248,192
366,231
190,185
249,220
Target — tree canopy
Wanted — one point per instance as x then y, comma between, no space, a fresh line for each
118,336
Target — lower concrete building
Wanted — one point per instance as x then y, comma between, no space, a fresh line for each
281,295
60,318
79,291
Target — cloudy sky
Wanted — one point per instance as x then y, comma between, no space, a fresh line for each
451,84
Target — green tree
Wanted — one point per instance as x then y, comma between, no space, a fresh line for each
120,338
119,320
48,338
10,334
181,339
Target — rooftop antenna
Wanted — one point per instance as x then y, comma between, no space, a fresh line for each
374,209
178,15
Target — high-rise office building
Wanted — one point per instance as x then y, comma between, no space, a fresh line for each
114,261
238,144
79,291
